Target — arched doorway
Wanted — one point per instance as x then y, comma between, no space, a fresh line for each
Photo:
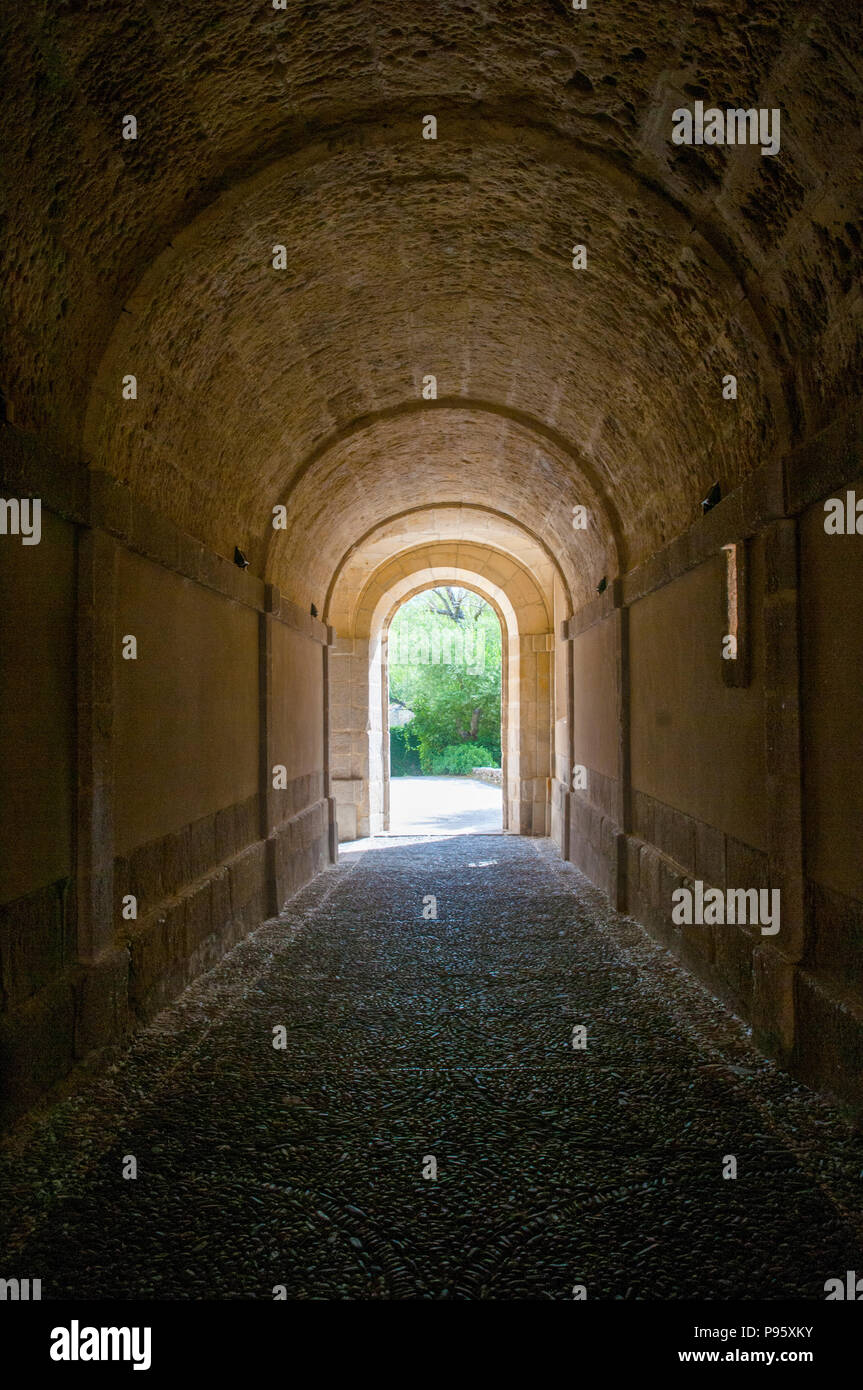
445,644
359,739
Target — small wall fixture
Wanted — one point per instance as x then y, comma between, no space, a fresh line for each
735,616
710,501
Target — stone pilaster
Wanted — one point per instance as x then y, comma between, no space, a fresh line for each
267,752
96,603
623,808
101,986
775,959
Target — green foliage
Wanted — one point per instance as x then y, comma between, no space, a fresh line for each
460,759
404,760
445,663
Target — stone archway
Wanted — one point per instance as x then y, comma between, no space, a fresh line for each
379,748
359,755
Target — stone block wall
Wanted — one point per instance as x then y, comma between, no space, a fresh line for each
747,785
154,838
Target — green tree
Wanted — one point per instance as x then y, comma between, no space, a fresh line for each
445,665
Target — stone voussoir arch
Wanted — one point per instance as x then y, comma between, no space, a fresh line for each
468,527
358,722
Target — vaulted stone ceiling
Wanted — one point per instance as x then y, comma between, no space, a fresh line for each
405,257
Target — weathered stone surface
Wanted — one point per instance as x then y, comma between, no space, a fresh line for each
304,388
327,158
303,1166
830,1029
36,1046
36,942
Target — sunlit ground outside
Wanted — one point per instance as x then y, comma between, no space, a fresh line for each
444,806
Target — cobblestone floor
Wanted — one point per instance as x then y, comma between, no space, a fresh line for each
451,1037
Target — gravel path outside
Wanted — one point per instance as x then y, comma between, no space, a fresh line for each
408,1037
444,805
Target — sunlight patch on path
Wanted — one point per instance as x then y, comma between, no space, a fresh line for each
444,806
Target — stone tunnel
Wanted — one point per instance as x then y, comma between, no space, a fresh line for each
310,307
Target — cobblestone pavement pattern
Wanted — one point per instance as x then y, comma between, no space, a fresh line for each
451,1037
